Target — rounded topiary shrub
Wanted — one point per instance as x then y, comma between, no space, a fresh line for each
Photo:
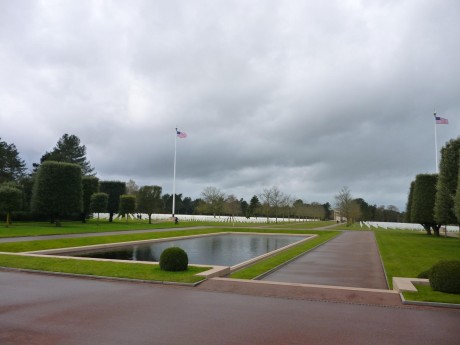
445,276
174,259
424,274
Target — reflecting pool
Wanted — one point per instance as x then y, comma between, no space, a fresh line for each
220,249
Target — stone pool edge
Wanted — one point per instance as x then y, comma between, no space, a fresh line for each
215,271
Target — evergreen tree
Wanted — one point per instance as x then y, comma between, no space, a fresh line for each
447,183
12,167
57,190
114,189
10,200
409,202
149,200
457,197
99,203
254,205
423,201
127,205
69,150
90,185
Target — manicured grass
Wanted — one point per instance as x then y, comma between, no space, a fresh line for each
426,294
99,268
46,228
18,229
300,225
27,246
408,253
270,263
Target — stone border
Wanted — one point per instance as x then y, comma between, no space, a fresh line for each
407,284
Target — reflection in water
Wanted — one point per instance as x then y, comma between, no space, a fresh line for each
225,250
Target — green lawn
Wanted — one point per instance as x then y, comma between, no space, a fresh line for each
18,229
300,225
45,228
426,294
99,268
408,253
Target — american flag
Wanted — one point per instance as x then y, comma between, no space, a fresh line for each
441,120
181,134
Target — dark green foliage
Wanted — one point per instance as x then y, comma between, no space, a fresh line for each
447,183
149,200
99,203
57,190
10,200
424,274
457,196
423,201
69,150
174,259
409,202
114,189
90,185
254,205
445,276
127,205
12,167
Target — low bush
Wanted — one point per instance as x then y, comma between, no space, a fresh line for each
424,274
445,276
174,259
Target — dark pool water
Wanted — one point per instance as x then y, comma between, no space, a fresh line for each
222,250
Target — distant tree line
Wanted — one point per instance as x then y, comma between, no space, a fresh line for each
434,199
63,185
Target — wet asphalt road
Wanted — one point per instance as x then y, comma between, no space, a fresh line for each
351,259
39,309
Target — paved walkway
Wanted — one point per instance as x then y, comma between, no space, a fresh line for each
351,259
38,309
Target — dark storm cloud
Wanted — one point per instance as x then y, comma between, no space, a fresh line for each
304,95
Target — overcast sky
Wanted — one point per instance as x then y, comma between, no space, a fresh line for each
308,96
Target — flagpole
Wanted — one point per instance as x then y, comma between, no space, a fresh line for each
174,180
435,145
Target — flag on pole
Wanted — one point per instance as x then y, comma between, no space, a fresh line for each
441,120
181,134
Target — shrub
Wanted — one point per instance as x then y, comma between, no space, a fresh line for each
174,259
444,276
424,274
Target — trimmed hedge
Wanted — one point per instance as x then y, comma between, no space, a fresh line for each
445,276
174,259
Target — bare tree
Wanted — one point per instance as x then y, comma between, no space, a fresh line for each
271,200
232,207
347,207
214,199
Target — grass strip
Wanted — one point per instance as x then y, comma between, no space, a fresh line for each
25,229
100,268
300,225
426,294
264,266
27,246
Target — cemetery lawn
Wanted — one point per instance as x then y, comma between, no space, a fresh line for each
426,294
129,270
20,229
408,253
